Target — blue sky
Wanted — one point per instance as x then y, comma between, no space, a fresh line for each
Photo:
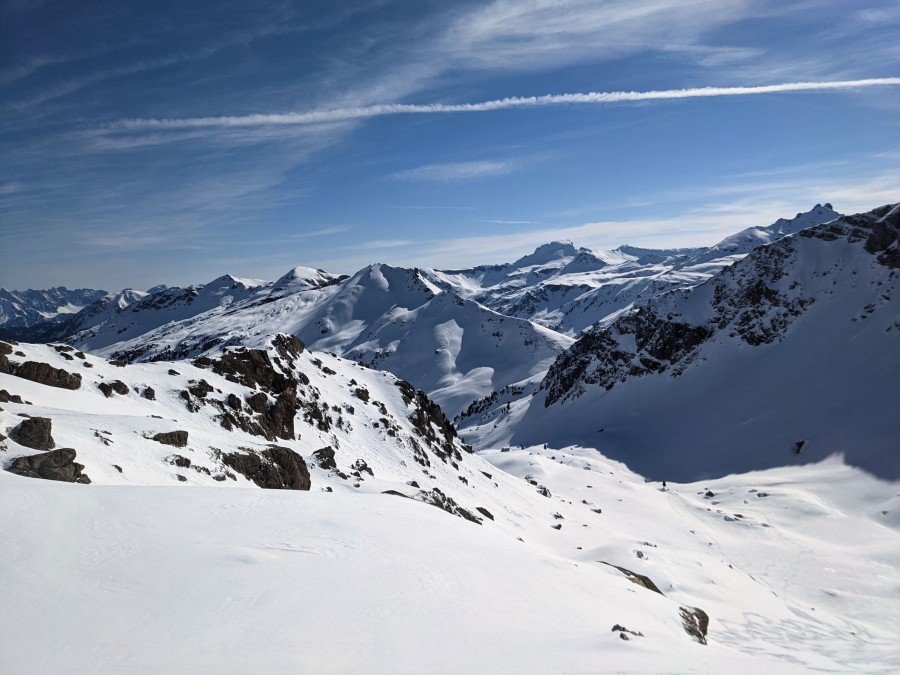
172,142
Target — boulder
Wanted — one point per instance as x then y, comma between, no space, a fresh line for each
35,433
54,465
275,468
44,373
177,439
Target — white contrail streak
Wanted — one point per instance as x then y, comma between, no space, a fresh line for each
363,112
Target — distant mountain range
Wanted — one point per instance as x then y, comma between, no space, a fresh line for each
566,340
678,457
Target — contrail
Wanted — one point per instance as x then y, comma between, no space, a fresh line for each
595,97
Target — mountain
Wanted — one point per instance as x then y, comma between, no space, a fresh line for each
385,525
22,309
386,317
570,289
788,356
343,523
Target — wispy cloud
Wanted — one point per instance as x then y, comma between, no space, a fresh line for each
456,171
512,102
386,243
321,232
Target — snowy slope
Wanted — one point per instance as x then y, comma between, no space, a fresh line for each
385,317
787,357
570,289
796,569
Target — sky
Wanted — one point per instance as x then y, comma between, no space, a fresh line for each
172,142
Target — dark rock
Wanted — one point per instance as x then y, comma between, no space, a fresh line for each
6,397
258,402
636,578
361,394
5,348
173,372
120,387
117,468
234,402
44,373
149,393
288,346
179,461
54,465
200,389
118,363
276,468
324,458
181,479
34,432
177,439
622,632
437,498
106,388
695,622
483,511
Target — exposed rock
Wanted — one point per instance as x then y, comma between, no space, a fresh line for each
233,401
177,439
105,388
120,388
179,461
6,397
437,498
149,393
44,373
695,622
54,465
276,468
200,389
636,578
288,346
34,432
483,511
324,458
5,348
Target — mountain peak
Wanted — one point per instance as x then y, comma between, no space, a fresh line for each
554,251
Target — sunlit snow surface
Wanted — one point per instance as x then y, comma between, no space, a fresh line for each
164,579
798,567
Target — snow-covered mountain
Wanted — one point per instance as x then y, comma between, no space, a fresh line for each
570,289
22,309
788,356
386,317
762,390
537,558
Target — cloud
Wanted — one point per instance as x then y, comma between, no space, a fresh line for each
456,171
386,243
512,102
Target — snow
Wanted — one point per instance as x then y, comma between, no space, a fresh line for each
795,557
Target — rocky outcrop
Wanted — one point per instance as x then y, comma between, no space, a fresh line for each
176,439
324,458
276,468
118,387
35,433
44,373
54,465
755,300
695,622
